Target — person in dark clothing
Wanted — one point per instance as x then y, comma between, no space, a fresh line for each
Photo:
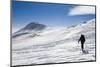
82,40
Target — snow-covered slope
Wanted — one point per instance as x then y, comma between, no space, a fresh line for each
31,27
54,45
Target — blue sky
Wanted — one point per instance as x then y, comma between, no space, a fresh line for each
48,14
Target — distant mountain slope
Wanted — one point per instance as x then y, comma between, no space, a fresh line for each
34,26
31,27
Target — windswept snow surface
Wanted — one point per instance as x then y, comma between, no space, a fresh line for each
54,45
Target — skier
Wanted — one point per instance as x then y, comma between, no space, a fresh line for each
82,40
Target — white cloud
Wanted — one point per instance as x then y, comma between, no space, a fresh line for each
82,10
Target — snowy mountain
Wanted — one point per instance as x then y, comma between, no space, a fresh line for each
40,44
31,27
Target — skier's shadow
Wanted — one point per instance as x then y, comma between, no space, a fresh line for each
85,52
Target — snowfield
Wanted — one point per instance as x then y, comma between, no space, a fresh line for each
53,45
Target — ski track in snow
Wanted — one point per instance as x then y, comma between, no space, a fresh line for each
54,46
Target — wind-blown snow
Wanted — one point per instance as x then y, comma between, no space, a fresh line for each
54,45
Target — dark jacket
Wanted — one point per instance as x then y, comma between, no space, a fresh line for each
82,38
